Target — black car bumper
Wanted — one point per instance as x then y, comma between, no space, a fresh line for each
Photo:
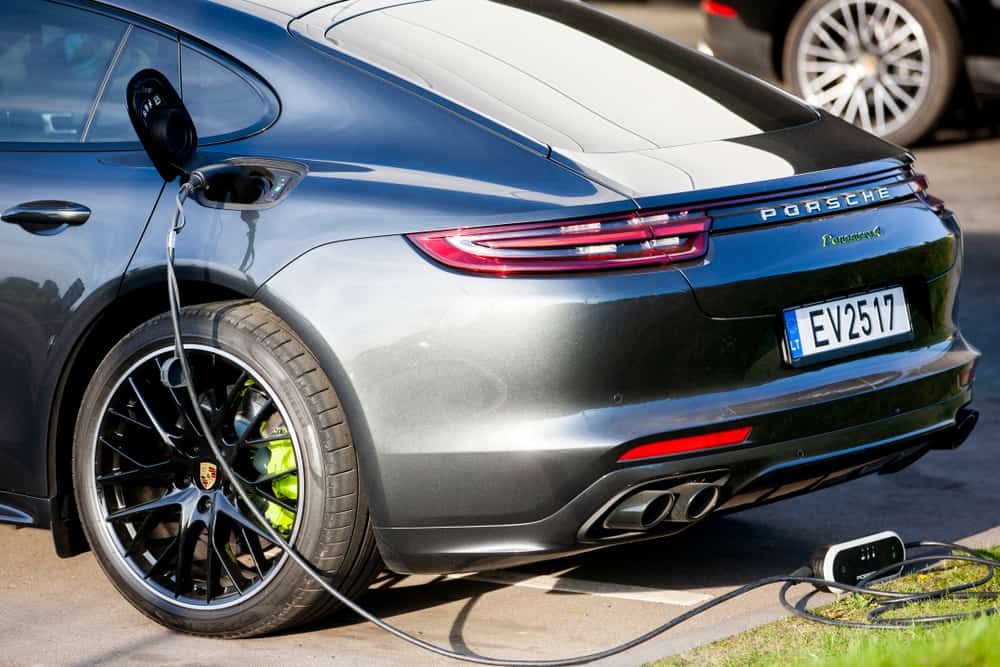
748,477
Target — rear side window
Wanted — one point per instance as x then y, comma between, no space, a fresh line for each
53,60
63,73
143,49
224,103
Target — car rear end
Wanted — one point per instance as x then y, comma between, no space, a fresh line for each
855,363
763,315
589,408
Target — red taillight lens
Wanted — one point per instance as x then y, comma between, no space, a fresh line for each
918,183
967,375
584,245
693,443
719,9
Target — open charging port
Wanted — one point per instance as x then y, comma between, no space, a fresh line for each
250,183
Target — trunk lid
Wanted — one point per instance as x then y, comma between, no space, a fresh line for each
825,150
810,244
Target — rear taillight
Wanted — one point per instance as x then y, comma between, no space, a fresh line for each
719,9
967,375
918,183
582,245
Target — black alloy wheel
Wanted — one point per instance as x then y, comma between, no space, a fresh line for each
167,528
180,527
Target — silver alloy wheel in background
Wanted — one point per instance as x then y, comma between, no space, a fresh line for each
867,61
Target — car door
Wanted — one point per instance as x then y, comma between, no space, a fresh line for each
75,195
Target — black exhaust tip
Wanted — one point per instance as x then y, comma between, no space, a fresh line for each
640,511
965,424
695,501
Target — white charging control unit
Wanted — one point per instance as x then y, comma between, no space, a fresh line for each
850,562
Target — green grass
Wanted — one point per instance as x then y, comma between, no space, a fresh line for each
793,641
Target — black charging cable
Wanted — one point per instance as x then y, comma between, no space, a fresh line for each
892,601
896,600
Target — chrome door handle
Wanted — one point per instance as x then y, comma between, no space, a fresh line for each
47,213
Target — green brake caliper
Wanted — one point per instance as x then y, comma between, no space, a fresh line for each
273,459
281,459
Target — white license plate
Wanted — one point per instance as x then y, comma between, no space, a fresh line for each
854,324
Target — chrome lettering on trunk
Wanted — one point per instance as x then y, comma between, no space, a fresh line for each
825,204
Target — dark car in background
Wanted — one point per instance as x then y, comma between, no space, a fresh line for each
535,281
892,67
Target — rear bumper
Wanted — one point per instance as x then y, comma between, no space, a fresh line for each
749,475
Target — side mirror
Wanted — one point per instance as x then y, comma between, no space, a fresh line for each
162,122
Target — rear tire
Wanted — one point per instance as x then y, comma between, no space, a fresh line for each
329,521
924,66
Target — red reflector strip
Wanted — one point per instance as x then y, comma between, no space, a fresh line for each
719,9
692,443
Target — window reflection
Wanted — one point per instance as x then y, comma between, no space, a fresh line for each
566,75
143,50
52,61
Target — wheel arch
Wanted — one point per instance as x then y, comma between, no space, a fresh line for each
369,474
105,330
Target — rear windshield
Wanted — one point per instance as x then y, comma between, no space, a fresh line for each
563,73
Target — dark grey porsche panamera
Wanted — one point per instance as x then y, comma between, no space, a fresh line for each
539,282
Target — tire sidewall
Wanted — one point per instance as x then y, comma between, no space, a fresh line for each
219,334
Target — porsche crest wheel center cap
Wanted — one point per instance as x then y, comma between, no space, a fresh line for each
208,475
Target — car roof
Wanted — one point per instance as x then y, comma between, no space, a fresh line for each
559,72
280,11
187,16
287,7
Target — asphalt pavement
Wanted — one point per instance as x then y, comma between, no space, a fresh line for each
64,612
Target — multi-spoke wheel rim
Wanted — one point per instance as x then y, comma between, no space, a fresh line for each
173,520
867,61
